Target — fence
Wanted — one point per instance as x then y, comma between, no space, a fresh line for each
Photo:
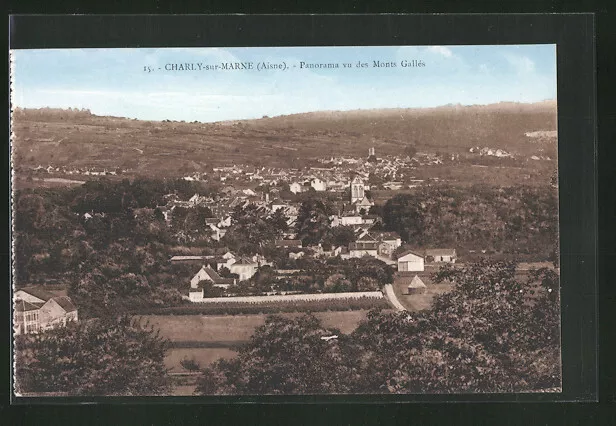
294,297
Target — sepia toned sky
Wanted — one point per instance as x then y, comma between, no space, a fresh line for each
113,81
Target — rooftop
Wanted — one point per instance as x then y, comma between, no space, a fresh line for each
37,292
440,252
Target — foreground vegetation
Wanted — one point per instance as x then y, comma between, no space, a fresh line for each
96,358
491,333
483,336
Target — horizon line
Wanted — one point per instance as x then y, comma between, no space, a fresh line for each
448,105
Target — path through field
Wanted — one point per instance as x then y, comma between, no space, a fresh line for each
391,296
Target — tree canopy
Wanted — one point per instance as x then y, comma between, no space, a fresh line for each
96,357
494,332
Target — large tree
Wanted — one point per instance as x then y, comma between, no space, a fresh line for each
285,356
254,228
95,357
313,222
494,332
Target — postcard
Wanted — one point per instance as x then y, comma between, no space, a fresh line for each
285,221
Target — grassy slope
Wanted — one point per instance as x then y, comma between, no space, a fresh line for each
169,148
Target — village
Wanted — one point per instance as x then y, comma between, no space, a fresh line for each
351,187
348,183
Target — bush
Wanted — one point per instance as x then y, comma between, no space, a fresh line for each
190,364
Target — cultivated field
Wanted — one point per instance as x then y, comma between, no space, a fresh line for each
167,149
236,328
208,338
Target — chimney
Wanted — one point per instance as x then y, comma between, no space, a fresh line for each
267,197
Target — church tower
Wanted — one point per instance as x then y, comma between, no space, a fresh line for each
357,190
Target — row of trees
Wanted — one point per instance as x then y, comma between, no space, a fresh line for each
334,275
520,220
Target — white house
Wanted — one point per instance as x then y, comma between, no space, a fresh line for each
295,187
318,185
224,222
228,255
217,233
347,220
410,261
245,268
37,310
388,242
442,255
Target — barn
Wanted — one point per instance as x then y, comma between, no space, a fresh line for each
410,261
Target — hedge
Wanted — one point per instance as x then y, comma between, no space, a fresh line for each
242,308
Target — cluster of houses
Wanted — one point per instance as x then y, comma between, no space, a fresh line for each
491,152
379,246
354,214
240,268
240,190
85,171
36,310
330,175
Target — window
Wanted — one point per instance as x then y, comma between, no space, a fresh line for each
31,316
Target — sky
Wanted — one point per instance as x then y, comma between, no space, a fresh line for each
115,81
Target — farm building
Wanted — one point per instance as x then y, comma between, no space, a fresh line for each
37,310
441,255
416,286
208,274
410,262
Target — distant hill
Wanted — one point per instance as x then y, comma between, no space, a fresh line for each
78,138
